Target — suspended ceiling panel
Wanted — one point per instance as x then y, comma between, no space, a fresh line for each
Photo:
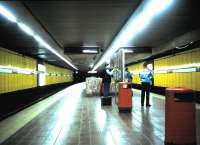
82,23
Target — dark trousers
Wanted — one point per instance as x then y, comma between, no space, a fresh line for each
106,89
145,89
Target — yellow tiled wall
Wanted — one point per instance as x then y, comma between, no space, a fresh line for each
10,82
186,79
181,79
66,75
135,69
13,81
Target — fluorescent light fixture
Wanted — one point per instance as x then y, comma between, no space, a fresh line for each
128,51
25,28
92,72
89,51
65,60
137,22
90,46
7,14
42,42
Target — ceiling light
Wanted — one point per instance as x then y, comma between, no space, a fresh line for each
128,51
137,22
4,12
42,42
25,28
89,51
7,14
92,72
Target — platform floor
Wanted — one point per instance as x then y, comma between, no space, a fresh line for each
70,117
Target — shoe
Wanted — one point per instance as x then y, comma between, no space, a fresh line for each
148,105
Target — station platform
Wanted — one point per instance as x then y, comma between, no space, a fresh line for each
70,117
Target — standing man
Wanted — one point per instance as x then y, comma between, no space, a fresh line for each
107,74
146,77
127,75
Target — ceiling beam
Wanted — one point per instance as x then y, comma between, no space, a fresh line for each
139,49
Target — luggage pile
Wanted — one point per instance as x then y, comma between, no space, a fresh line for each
93,85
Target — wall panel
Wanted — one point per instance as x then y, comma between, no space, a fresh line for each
19,80
16,80
179,79
135,69
169,78
55,74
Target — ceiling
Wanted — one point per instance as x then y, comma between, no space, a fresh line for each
75,24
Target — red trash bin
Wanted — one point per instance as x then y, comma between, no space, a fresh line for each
180,117
125,97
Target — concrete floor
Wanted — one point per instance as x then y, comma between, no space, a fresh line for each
70,117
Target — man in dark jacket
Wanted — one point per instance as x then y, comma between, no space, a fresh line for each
107,74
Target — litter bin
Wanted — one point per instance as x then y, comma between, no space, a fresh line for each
180,117
125,97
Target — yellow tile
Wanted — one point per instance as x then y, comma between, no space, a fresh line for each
1,82
197,77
